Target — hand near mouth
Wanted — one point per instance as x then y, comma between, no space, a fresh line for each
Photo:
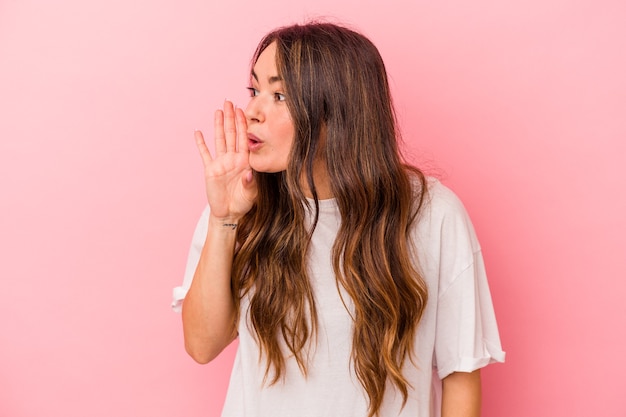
230,185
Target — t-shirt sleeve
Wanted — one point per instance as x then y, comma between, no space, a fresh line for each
466,334
197,242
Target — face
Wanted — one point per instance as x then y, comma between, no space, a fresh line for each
270,128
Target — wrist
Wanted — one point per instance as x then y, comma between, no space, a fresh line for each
226,223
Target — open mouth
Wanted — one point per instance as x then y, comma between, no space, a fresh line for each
253,142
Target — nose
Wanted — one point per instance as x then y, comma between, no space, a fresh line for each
254,110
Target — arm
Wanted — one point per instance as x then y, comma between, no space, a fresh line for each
208,309
461,395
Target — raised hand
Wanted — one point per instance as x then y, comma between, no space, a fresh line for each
230,185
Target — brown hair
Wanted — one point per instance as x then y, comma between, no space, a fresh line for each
339,100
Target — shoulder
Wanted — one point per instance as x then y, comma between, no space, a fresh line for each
441,199
443,220
444,240
434,195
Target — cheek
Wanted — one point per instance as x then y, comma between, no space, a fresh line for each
286,131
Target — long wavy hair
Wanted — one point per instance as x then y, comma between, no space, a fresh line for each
339,100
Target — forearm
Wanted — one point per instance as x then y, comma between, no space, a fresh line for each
461,395
208,309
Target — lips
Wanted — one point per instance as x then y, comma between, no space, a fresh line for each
254,142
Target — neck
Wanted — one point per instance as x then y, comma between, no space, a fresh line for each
321,181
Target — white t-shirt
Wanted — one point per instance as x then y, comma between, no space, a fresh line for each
458,331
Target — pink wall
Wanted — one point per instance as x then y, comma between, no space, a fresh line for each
520,106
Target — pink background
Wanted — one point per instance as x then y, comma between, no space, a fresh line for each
519,106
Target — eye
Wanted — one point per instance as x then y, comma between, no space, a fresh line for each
279,97
253,91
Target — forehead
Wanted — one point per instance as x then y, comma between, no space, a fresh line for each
265,65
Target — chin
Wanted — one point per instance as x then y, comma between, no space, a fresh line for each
267,168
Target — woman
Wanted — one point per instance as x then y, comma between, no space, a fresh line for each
355,285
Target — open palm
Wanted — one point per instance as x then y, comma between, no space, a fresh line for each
230,186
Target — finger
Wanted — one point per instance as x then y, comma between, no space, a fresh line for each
248,178
205,154
220,139
230,129
249,189
242,130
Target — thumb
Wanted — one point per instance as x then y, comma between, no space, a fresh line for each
248,179
249,189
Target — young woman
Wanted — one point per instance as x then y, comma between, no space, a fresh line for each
354,283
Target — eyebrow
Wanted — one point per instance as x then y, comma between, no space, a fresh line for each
273,79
